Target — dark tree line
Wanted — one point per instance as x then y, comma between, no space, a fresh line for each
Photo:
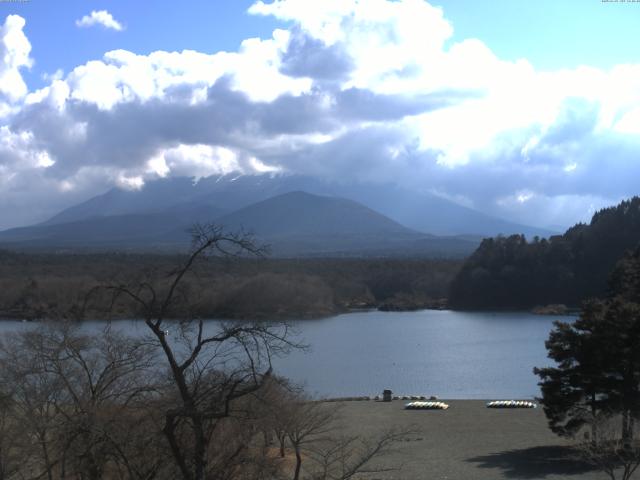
511,272
35,286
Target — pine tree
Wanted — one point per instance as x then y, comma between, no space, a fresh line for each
598,360
576,391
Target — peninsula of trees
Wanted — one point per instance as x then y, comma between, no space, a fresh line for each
513,273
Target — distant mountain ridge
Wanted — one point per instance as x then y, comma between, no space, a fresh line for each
293,224
297,215
423,212
113,230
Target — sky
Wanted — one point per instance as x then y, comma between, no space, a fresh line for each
529,111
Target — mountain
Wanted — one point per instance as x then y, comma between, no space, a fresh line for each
430,213
423,212
127,230
301,213
299,223
156,197
293,224
509,272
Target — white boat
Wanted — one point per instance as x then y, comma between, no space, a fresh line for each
426,406
511,404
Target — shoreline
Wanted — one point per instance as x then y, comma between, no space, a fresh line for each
413,398
307,316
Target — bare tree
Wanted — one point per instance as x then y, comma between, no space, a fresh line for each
210,369
10,457
611,451
34,396
278,399
313,431
307,424
344,457
71,393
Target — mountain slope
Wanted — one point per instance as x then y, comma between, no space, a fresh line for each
299,223
128,230
419,211
429,213
153,198
293,224
301,213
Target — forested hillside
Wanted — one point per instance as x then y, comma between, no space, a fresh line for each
510,272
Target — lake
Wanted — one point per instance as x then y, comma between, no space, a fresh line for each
450,354
456,355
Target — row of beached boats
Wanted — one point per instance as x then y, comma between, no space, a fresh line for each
494,404
426,406
380,398
511,404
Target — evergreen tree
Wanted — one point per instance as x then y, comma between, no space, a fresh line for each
598,360
625,278
576,391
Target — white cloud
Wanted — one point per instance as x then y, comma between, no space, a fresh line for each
629,123
100,17
14,55
195,160
384,38
130,183
570,167
122,76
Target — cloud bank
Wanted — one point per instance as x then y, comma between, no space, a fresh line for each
368,90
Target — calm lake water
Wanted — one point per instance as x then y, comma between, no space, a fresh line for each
445,353
450,354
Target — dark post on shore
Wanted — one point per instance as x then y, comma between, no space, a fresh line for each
386,395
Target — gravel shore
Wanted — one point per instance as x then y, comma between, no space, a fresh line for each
467,441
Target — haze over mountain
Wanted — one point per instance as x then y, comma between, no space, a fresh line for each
293,224
424,212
